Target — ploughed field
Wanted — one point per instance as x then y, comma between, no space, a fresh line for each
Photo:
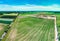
31,29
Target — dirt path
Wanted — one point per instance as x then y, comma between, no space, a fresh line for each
12,35
56,32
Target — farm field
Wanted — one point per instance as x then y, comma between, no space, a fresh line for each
5,21
57,14
3,28
26,28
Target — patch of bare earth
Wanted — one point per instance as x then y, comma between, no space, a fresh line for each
1,27
12,35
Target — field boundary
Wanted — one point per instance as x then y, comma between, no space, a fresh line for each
54,18
49,17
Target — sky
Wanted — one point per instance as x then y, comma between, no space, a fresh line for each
29,5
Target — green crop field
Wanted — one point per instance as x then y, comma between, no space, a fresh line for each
31,29
57,14
3,27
